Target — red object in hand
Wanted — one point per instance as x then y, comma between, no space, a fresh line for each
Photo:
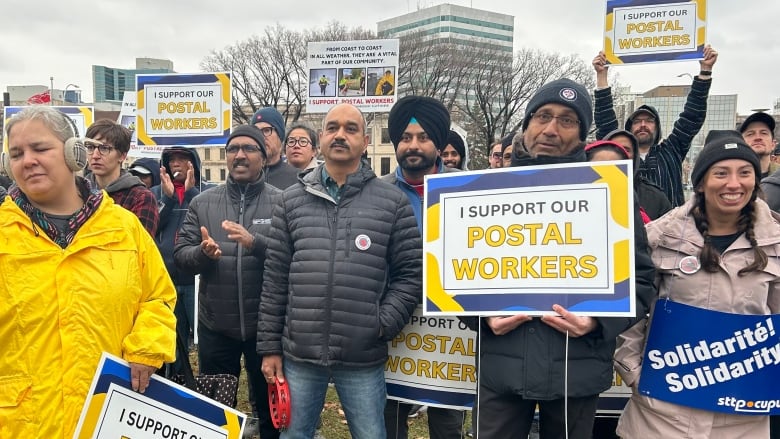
279,403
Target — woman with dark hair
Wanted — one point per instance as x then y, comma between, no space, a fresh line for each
717,252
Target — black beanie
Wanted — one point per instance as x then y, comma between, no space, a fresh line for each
454,139
249,131
565,92
507,140
723,145
429,113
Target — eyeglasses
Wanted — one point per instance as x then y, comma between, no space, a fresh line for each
103,148
643,120
565,122
267,131
496,155
302,141
248,148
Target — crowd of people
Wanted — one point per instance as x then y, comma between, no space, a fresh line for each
309,264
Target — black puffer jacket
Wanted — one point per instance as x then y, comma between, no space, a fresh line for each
229,293
330,297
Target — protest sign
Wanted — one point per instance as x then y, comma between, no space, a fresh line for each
81,115
712,360
642,31
518,240
362,73
432,362
183,109
165,411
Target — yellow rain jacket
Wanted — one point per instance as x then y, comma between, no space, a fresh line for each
61,308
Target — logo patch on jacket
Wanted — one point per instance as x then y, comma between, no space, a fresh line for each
256,221
362,242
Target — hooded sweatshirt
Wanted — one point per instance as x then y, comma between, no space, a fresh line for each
662,165
130,192
172,212
152,165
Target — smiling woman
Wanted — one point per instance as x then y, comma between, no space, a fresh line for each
80,276
719,252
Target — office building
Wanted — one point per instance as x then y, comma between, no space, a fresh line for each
110,83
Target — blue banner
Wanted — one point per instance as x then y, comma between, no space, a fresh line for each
712,360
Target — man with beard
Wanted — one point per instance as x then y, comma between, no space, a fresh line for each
343,274
278,172
455,153
758,130
418,130
660,160
562,361
224,237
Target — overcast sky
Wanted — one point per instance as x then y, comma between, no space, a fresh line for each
64,39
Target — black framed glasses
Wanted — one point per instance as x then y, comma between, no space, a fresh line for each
267,131
563,121
248,148
103,148
302,141
496,155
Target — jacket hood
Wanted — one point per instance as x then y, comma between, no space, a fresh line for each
646,109
166,157
152,165
773,178
125,181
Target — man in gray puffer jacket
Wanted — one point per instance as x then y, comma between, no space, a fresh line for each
342,278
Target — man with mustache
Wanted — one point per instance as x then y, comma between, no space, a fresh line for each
343,274
660,160
419,131
224,237
560,362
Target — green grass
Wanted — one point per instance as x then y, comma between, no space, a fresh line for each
334,424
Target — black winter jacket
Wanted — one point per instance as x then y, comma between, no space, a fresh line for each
530,360
341,279
229,293
663,164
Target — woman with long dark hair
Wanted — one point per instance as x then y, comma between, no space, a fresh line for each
718,252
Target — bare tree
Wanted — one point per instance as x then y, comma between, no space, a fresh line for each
269,70
499,89
432,67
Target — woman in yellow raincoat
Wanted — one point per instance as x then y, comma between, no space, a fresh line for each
79,275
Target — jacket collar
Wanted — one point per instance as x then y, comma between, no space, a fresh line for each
250,190
679,225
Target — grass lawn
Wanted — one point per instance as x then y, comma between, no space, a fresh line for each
334,425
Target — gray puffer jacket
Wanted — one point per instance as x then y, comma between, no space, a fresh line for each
229,293
341,279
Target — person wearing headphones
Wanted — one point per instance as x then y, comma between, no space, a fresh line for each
80,276
223,237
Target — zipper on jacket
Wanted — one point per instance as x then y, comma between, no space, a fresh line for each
240,255
329,298
348,240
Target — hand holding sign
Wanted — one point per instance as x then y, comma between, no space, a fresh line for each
575,325
503,325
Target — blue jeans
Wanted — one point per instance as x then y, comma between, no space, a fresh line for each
361,391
